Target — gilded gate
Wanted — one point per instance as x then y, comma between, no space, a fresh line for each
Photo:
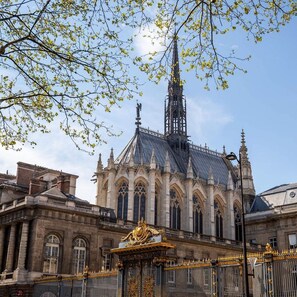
142,255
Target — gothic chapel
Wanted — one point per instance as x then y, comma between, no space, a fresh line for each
171,183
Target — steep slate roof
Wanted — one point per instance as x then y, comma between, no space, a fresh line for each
204,161
259,204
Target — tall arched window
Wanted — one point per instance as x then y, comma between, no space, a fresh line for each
139,202
218,220
197,216
123,201
237,223
51,254
79,256
174,210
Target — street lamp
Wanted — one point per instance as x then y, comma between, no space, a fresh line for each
233,157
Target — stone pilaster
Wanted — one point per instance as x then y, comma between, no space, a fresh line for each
10,250
188,224
111,189
151,197
230,232
1,246
210,204
111,201
150,215
165,203
131,191
99,175
189,202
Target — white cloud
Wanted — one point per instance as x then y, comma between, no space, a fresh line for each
147,40
207,118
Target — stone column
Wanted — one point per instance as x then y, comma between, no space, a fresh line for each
10,250
1,245
23,245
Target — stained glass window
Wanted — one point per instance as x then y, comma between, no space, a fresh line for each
175,212
139,202
123,201
197,216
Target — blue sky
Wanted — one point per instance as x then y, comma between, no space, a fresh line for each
262,102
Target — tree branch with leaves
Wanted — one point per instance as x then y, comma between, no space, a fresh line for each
70,60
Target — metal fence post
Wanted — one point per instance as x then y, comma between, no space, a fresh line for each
214,278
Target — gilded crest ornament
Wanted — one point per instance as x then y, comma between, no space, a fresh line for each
141,234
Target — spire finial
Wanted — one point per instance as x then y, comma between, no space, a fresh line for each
242,138
138,118
111,159
175,71
99,164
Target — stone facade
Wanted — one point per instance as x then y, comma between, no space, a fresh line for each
273,218
39,234
191,192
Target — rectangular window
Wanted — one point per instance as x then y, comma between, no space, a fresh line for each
189,276
206,277
273,242
106,265
171,273
292,241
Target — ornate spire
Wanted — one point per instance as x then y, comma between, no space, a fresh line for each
175,108
247,176
99,165
243,150
111,159
175,82
138,118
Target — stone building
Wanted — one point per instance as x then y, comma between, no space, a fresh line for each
273,218
169,182
190,191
